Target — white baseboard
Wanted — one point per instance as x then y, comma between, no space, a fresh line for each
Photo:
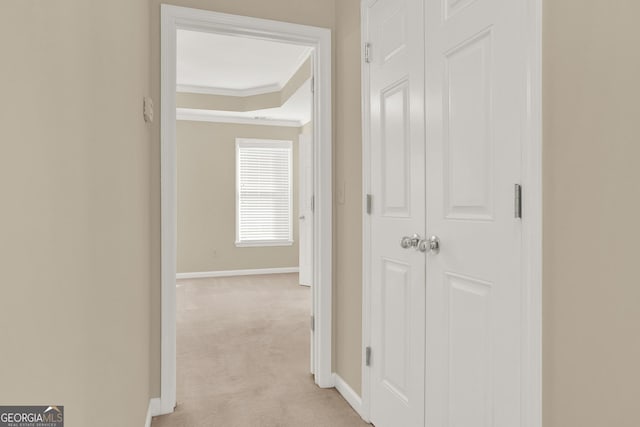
349,395
228,273
147,421
155,407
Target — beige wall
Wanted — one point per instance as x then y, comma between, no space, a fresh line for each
591,211
74,229
207,200
75,170
348,196
309,12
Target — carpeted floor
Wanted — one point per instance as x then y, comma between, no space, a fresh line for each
243,357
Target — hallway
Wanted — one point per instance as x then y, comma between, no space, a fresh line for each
243,357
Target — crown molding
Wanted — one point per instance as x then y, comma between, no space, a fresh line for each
196,116
207,90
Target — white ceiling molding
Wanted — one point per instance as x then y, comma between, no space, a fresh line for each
296,111
221,91
206,116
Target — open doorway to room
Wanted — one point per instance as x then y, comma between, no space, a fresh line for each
246,206
243,105
243,131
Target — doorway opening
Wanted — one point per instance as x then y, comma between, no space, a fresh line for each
197,103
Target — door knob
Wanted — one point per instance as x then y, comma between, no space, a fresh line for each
301,217
406,242
432,244
410,242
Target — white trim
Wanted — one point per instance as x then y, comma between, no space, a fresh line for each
263,243
168,211
365,405
531,223
222,91
153,409
230,273
319,39
264,142
147,419
197,116
154,405
349,395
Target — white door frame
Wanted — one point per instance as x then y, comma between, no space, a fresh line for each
172,19
531,223
304,148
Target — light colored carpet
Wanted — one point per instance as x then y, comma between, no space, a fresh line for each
243,357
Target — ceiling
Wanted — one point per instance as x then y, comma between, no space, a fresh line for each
229,65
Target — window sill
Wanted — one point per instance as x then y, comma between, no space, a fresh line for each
262,243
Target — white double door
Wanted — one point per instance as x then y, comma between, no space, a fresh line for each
447,99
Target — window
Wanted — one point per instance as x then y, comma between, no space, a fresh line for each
263,193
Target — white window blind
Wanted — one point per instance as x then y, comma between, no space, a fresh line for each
263,192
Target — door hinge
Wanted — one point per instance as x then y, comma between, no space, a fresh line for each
367,356
367,53
313,84
313,203
517,208
369,203
313,323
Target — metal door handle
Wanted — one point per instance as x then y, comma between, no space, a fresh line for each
410,242
432,244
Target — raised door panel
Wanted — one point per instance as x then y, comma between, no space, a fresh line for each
467,125
396,150
468,387
396,309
